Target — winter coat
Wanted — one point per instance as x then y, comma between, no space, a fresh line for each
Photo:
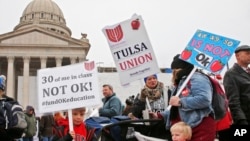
80,131
196,99
46,125
157,100
31,129
237,87
112,106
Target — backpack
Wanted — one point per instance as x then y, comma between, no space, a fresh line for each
12,118
219,100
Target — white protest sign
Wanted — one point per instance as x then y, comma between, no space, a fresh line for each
131,50
68,87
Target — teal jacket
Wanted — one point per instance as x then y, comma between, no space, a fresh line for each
112,106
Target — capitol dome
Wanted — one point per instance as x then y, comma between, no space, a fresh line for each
46,14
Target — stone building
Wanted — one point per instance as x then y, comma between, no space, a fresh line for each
40,40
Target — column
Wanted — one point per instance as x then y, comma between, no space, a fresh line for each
26,65
10,77
58,61
72,60
43,62
81,59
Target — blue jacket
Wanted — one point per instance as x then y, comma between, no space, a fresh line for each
197,103
112,106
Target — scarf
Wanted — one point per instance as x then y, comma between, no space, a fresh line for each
152,94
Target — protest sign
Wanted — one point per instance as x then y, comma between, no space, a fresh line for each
131,49
68,87
209,51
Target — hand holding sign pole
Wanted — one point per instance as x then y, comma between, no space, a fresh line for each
183,85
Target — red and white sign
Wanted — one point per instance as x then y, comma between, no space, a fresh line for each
131,49
68,87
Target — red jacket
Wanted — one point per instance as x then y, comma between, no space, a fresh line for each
80,130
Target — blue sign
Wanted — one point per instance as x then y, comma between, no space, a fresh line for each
209,51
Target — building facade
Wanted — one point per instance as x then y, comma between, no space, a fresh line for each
40,40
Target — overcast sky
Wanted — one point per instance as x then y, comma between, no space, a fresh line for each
170,23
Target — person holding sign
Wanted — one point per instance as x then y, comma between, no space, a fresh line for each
80,132
155,92
193,105
153,98
236,83
112,105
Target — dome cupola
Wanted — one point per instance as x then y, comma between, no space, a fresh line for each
46,14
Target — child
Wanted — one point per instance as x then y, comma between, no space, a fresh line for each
181,132
80,130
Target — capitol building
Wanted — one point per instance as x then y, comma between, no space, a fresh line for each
40,40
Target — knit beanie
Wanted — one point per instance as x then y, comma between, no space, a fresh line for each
180,64
2,82
145,79
185,67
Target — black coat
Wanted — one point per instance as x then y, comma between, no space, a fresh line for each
237,87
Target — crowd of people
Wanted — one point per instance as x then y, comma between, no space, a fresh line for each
190,117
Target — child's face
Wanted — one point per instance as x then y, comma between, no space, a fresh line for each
78,116
178,136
